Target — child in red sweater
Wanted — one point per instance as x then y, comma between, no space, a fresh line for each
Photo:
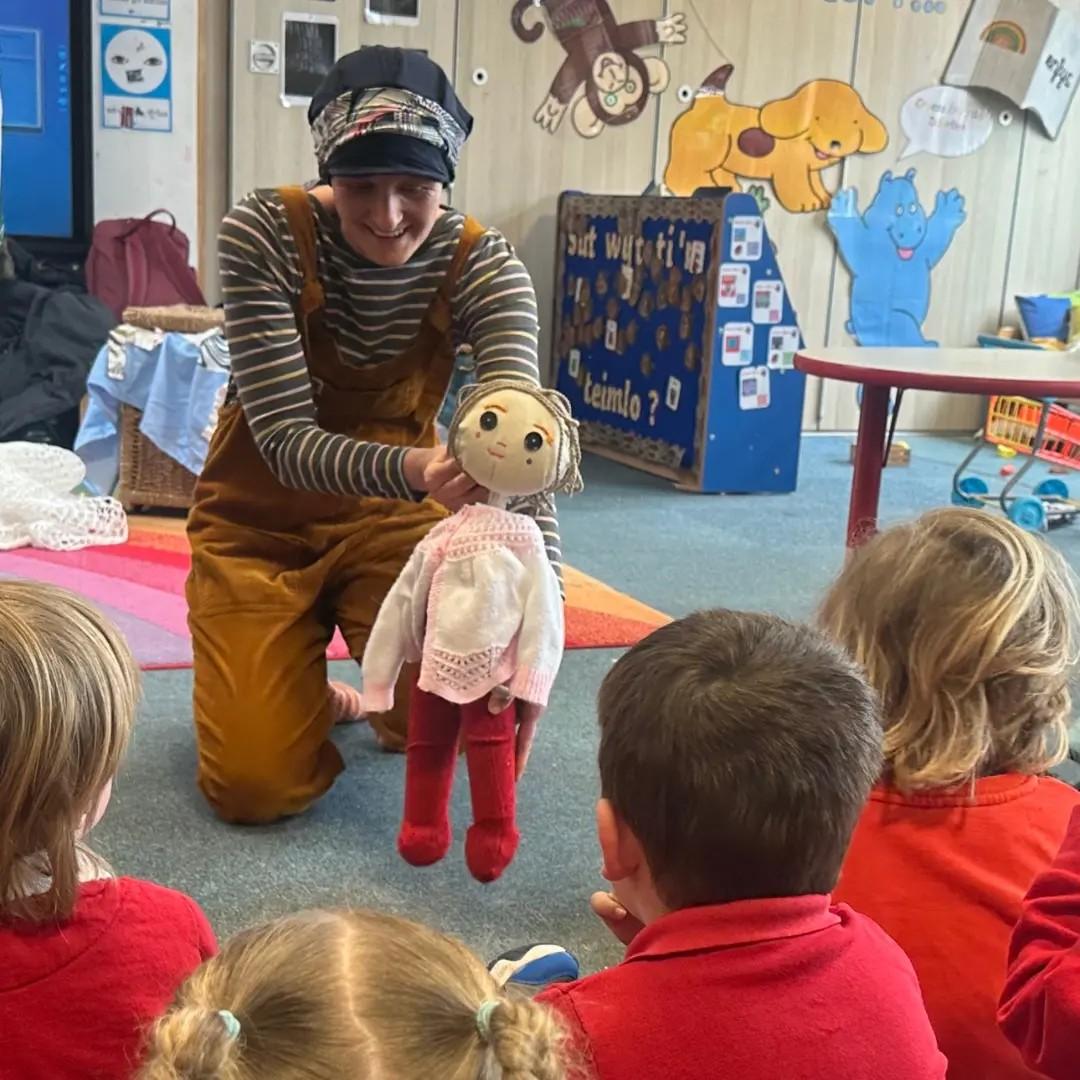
87,960
965,626
1040,1004
736,752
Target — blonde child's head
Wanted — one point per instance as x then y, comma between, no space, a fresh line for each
68,694
966,627
331,994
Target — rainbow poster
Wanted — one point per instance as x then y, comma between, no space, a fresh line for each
1005,34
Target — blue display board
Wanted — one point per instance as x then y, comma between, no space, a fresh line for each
676,339
35,81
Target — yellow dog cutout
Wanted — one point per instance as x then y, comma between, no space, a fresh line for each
788,141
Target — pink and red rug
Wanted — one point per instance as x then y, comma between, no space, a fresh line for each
140,585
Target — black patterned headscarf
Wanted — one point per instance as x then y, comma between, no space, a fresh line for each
383,110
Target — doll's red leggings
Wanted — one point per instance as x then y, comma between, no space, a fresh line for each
435,726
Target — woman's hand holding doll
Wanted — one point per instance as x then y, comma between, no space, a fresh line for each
435,472
528,716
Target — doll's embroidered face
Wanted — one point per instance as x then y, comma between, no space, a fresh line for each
509,441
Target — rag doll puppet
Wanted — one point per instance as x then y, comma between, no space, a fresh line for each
478,606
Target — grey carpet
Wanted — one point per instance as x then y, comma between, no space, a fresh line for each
673,550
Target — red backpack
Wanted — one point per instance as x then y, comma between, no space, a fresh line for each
140,262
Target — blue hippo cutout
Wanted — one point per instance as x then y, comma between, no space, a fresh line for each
890,251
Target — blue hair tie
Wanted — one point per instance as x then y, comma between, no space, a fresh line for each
483,1019
232,1025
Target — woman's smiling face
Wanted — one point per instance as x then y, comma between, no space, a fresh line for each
508,441
386,218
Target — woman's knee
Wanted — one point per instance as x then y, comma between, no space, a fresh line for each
254,788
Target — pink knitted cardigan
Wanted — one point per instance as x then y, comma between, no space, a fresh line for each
478,605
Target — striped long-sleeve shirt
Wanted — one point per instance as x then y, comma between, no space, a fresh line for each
373,312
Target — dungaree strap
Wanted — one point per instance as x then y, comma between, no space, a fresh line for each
301,220
434,338
471,232
440,314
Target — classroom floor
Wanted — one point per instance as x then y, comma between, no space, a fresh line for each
675,551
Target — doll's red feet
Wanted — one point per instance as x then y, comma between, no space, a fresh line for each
490,847
422,845
346,703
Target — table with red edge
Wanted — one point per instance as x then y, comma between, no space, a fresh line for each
1027,373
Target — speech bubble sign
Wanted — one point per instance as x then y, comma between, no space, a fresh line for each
947,121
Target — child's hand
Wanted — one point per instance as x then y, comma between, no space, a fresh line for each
618,920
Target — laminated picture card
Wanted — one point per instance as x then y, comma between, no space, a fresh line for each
1028,50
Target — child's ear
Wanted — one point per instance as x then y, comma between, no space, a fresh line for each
619,847
96,811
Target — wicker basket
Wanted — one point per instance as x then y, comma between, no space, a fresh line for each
182,318
149,477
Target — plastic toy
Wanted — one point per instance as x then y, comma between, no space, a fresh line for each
1035,430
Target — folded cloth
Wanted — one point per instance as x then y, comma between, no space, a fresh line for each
177,381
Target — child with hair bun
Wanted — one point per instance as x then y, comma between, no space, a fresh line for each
966,627
331,994
87,960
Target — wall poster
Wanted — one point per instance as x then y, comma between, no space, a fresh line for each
309,54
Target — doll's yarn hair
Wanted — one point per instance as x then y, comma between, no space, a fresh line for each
568,477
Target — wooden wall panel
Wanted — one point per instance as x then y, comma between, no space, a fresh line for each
438,26
512,170
271,144
900,51
1046,232
212,145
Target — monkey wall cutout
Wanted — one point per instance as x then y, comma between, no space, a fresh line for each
602,80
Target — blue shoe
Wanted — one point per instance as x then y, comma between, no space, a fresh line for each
535,966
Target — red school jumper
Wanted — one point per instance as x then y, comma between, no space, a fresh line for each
787,989
1040,1004
944,874
76,999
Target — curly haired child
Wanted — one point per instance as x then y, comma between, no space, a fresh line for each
966,627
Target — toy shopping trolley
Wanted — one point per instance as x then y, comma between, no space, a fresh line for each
1037,430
